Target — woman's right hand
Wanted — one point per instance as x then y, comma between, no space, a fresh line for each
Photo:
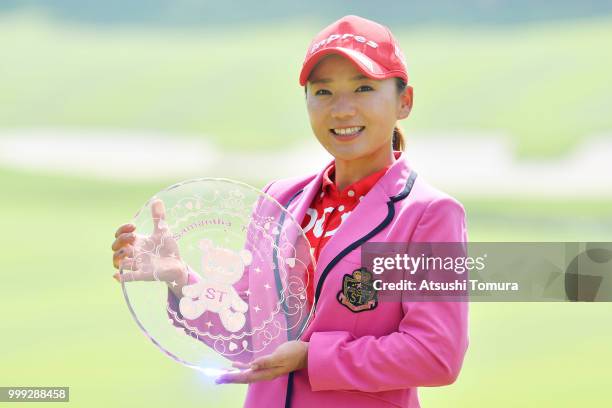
149,258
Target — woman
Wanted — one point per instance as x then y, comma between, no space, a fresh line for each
356,352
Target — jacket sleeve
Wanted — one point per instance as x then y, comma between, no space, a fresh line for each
430,342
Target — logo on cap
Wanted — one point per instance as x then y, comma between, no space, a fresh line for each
335,37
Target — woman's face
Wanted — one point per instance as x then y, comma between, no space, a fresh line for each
352,115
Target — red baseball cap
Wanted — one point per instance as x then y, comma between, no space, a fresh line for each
370,45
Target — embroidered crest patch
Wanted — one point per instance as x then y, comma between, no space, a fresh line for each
358,293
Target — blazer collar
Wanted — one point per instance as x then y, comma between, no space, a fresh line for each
392,184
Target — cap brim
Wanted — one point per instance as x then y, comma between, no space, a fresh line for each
366,65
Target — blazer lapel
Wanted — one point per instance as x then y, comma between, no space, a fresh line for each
303,198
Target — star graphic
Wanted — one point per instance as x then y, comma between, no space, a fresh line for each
257,308
267,286
257,269
174,284
247,292
209,324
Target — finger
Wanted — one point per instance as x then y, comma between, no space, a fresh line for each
130,264
130,276
119,255
158,212
266,362
123,277
125,228
234,377
248,376
242,366
128,250
237,377
117,258
137,270
123,239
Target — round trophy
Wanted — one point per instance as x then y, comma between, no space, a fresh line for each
218,271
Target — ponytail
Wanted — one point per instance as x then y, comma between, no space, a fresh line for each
398,136
398,139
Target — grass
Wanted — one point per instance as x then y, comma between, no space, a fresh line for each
65,322
546,86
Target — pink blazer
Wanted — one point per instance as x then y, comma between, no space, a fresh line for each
377,357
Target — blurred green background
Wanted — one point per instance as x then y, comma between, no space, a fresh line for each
539,76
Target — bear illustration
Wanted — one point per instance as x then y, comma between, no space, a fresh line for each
221,268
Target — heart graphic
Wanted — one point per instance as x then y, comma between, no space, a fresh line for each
232,346
244,344
290,262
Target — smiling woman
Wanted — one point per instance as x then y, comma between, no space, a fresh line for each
356,86
355,81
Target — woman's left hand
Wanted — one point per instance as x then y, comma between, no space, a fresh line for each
288,357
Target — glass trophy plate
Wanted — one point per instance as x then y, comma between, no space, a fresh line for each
218,272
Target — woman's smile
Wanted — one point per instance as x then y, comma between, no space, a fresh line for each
346,134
